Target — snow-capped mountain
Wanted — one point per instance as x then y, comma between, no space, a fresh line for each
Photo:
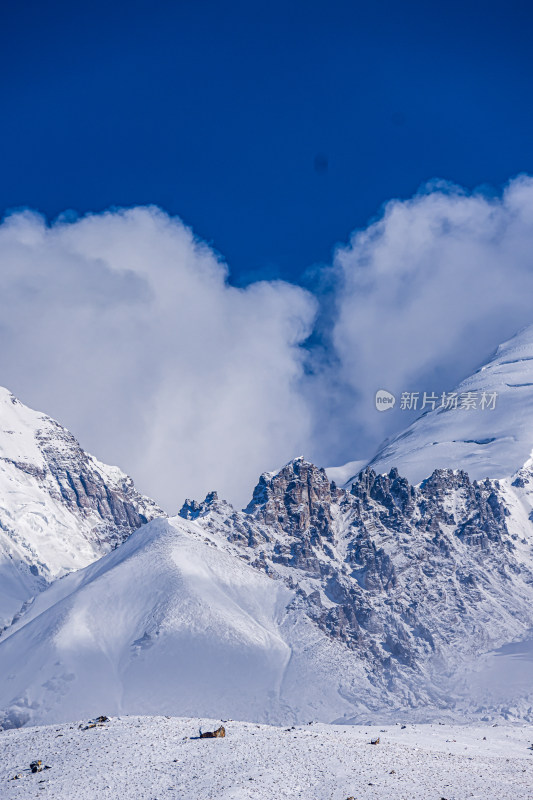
60,508
382,598
491,442
417,581
314,602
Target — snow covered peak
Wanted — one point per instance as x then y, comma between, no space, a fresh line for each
60,508
320,603
490,442
18,430
164,621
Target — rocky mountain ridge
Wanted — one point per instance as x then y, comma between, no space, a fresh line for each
417,580
378,602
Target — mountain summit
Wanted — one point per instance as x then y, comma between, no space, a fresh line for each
60,508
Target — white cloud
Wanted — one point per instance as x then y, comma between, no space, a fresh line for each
426,293
123,327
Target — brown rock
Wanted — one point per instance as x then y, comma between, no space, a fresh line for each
218,734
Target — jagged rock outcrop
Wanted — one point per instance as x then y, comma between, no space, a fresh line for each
409,577
191,509
89,488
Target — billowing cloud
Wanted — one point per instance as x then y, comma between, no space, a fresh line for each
425,293
123,326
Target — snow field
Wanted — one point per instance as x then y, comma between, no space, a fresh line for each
151,758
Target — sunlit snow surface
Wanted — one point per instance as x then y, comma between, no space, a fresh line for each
175,621
484,443
158,757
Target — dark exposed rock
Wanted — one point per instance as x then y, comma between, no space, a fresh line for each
191,509
72,477
83,489
297,499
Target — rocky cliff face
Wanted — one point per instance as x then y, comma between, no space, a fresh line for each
398,587
91,489
413,579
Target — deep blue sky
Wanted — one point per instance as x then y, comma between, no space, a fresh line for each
274,129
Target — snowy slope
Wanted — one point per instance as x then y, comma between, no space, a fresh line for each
160,757
170,621
485,443
60,509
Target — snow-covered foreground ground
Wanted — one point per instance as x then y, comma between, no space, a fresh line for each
152,758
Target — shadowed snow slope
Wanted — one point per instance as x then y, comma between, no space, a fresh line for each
60,508
485,443
167,621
